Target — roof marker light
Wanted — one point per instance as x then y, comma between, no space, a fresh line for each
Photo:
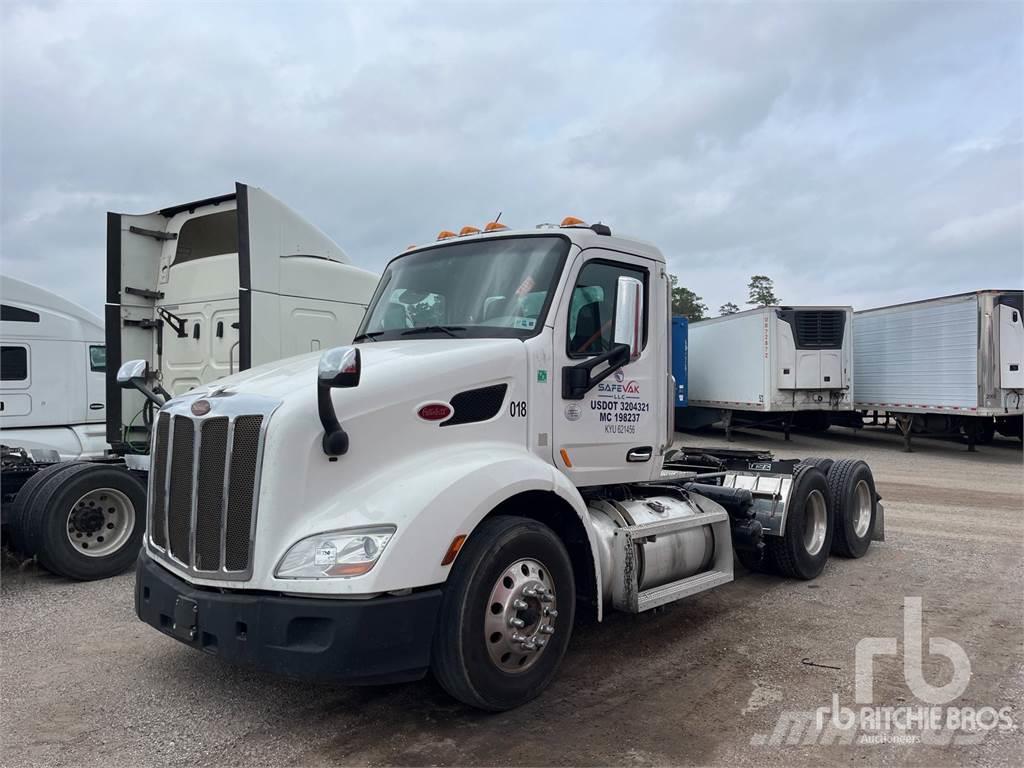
572,221
493,226
409,248
444,234
468,231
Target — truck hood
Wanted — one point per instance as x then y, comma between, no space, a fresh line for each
387,366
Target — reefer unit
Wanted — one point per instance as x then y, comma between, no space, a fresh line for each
773,360
961,354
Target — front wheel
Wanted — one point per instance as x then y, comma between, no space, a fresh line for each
506,615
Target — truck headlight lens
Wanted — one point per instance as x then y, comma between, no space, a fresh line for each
335,554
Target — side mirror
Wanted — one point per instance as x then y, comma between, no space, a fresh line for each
629,315
130,371
135,375
339,368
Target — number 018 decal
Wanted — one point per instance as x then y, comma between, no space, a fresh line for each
517,409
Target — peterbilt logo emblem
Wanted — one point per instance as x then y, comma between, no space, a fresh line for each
200,407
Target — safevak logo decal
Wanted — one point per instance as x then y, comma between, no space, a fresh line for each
618,404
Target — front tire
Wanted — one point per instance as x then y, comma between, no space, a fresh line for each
506,616
802,550
87,523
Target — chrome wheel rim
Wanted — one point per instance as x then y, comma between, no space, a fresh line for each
815,522
862,506
100,522
520,616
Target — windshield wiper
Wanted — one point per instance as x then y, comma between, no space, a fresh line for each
372,336
435,329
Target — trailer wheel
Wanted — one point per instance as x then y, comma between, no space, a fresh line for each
88,522
802,550
20,540
854,503
506,615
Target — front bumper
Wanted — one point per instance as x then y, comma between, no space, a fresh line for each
379,640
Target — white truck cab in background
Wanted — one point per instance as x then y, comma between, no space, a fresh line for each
491,456
52,374
194,292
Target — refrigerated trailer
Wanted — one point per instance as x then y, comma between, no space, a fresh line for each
786,366
195,292
489,459
946,365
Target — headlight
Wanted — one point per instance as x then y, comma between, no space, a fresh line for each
335,554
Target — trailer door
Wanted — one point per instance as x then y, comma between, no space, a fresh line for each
1011,347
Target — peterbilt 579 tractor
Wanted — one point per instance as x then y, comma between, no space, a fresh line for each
490,459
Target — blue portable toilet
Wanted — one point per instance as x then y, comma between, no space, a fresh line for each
680,332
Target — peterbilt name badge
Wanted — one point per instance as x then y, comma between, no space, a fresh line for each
200,407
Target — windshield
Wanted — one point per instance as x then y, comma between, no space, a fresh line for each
497,288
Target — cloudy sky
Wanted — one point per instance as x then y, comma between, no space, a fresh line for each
862,153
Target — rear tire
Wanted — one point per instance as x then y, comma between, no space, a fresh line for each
802,550
20,540
475,657
854,504
87,523
823,464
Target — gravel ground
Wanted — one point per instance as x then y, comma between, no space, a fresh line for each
701,682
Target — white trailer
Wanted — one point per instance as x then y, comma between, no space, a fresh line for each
945,365
52,377
194,292
489,459
789,366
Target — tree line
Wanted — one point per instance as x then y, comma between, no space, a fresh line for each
760,293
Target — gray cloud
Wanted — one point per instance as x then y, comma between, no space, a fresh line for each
858,153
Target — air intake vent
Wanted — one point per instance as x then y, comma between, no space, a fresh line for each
477,404
818,328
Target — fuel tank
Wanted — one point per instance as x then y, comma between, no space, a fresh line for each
660,559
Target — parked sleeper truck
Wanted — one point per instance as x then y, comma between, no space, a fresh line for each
194,292
489,459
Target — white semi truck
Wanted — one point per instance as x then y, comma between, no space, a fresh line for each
194,292
489,459
786,366
948,365
48,416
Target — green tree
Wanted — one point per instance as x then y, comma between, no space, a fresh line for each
687,303
762,291
728,309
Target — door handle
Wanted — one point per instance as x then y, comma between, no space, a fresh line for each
643,453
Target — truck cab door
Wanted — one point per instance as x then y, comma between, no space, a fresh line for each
615,432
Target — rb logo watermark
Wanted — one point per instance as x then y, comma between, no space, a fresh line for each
930,722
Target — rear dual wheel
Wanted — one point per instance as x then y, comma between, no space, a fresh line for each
802,550
82,520
854,504
506,615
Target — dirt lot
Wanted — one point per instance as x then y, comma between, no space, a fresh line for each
702,682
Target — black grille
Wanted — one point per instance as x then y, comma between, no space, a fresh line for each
819,329
158,499
179,505
477,404
221,524
244,449
213,449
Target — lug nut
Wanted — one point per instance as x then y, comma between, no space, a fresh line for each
517,638
547,629
516,622
551,612
540,642
529,646
520,605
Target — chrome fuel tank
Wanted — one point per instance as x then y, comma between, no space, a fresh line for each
661,559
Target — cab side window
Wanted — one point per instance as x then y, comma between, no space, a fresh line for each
592,307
